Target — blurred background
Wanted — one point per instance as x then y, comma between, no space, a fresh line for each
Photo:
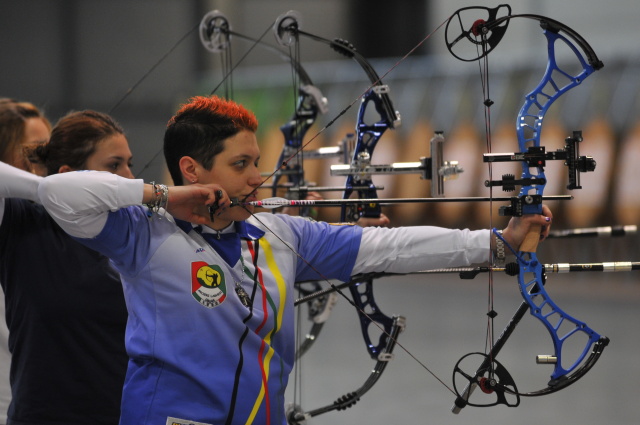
140,59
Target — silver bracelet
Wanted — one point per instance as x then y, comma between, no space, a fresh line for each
160,198
163,202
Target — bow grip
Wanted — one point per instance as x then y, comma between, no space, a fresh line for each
531,240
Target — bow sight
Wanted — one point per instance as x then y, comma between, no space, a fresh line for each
536,156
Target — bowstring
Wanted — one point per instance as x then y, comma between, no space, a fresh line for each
226,64
144,77
294,57
153,68
229,74
483,67
227,79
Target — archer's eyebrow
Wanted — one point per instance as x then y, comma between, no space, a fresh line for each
120,158
244,156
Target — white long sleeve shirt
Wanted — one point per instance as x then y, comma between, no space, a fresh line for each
16,183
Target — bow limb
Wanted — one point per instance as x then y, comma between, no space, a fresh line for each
561,326
563,329
288,30
295,415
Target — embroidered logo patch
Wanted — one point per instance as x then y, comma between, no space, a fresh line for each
177,421
207,284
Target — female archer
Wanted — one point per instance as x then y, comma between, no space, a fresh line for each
210,295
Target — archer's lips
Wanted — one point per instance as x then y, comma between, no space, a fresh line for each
250,198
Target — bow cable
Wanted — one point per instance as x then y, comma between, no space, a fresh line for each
153,67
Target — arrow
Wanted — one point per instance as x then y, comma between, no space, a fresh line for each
277,202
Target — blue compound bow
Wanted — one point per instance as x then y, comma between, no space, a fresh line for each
472,39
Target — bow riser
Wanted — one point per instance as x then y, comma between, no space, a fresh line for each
310,102
532,113
367,137
529,128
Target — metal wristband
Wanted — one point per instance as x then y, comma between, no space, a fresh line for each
160,198
151,204
163,199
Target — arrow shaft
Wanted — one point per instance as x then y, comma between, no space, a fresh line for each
282,202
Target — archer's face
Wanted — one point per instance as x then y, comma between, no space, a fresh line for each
236,170
36,132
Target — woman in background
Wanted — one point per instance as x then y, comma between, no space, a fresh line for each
22,126
65,305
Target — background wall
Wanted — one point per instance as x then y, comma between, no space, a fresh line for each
139,59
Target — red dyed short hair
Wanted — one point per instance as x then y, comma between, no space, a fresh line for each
199,129
238,114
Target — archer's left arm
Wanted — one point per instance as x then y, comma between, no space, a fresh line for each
410,249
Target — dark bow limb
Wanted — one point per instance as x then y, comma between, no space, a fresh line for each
295,415
287,29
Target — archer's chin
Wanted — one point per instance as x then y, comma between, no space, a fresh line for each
241,214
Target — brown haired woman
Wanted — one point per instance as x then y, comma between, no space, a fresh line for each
65,306
22,126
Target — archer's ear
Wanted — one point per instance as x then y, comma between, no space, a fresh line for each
65,169
189,169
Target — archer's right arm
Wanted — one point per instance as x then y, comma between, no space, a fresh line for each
81,201
17,183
